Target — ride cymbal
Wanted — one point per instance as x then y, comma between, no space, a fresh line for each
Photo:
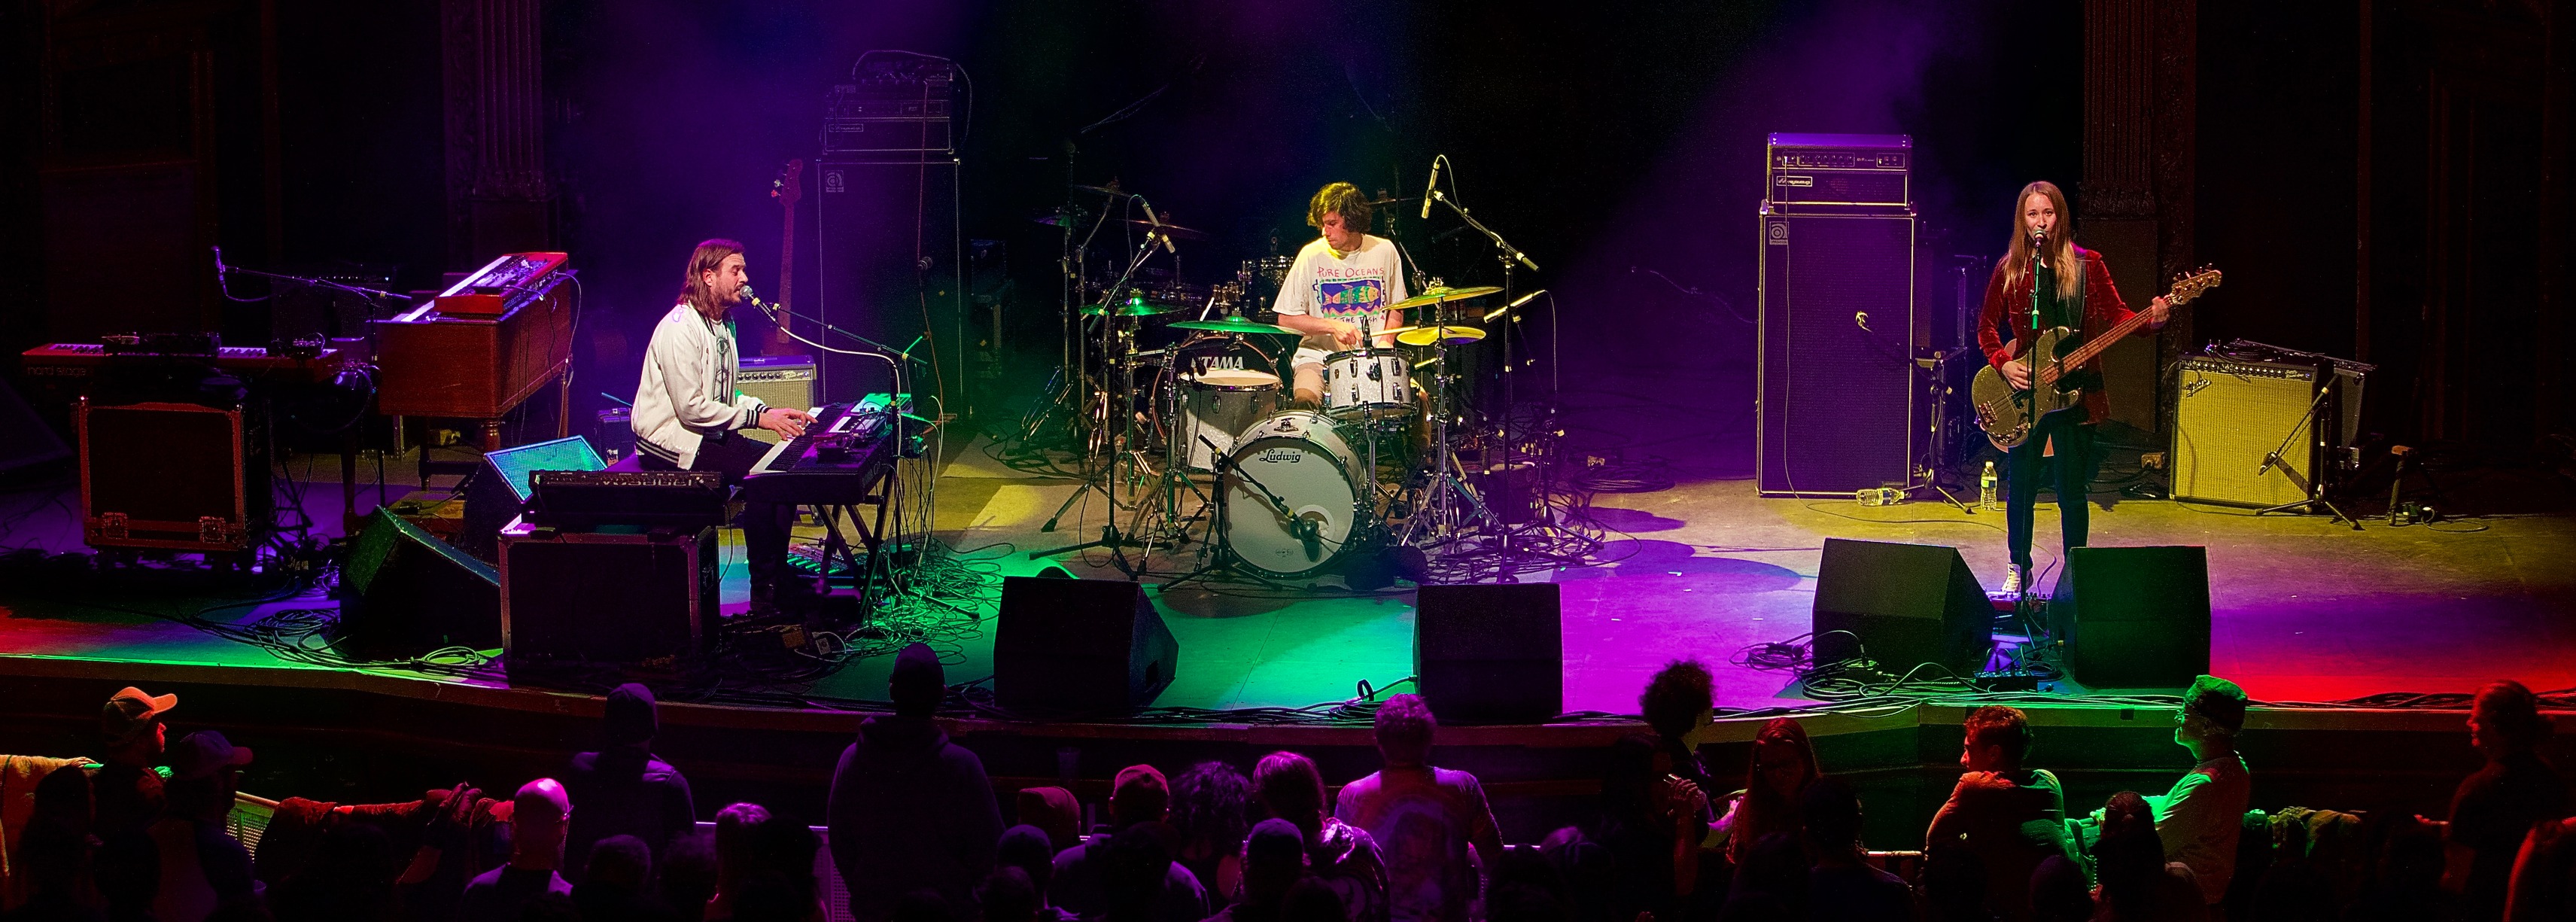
1443,295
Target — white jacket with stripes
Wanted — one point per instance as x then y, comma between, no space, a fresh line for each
687,391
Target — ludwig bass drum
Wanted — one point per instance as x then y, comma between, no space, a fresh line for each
1311,493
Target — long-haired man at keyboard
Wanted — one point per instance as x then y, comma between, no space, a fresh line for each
689,417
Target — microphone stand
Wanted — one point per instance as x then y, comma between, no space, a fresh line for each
1511,257
1108,482
1299,528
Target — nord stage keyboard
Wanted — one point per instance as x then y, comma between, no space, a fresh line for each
839,459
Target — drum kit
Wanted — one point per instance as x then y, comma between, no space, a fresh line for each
1187,426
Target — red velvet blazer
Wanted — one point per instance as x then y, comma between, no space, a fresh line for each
2009,307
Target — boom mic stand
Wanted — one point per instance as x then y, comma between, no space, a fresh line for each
1511,257
1106,480
2314,493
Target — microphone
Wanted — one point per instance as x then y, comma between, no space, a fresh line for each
1431,188
1158,227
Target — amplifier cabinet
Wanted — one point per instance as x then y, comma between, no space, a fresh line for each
2228,415
1830,172
601,598
779,381
169,475
1834,406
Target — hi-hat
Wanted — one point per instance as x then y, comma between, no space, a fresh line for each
1425,335
1234,323
1443,294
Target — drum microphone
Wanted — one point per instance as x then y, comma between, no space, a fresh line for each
1431,188
1158,227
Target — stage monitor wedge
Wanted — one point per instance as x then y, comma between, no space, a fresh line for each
2133,617
500,488
1490,654
1901,604
1080,647
403,593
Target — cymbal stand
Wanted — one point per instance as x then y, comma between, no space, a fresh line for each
1445,471
1120,397
1511,258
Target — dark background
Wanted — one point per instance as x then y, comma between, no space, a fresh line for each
1605,141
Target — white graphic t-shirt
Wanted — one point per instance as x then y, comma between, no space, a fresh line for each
1357,284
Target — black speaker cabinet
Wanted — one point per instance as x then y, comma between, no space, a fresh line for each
576,597
1490,653
1905,604
1080,646
2133,617
1835,410
890,266
403,593
499,491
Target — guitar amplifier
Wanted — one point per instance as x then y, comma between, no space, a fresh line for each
1836,172
2228,416
779,381
589,598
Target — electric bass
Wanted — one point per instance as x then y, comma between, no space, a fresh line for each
2008,414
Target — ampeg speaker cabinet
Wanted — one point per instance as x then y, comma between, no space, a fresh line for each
1490,654
2228,416
1080,646
170,475
779,381
891,269
1839,171
404,593
1902,604
499,490
1835,408
570,597
2133,617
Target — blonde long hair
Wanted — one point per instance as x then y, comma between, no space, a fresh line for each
2070,273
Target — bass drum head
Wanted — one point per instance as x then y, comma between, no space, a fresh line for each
1303,459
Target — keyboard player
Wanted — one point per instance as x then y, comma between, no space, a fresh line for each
688,416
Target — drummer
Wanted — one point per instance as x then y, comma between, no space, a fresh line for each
1339,282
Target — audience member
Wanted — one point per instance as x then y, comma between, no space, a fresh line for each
538,813
2011,817
924,905
2544,875
1007,894
1274,859
202,866
129,794
1027,848
54,848
2137,883
1524,885
782,854
1590,876
1424,818
1054,810
2059,892
351,877
1342,855
2289,888
617,884
2405,879
1312,900
909,809
1773,874
736,854
2200,819
1677,702
686,875
127,870
623,789
1080,883
1841,884
1952,884
1210,813
2494,808
1650,825
1135,871
1784,763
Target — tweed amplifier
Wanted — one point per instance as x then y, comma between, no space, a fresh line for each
2229,415
779,381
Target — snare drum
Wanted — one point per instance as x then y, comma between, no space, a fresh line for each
1368,383
1214,405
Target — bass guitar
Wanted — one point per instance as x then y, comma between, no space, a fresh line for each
2008,414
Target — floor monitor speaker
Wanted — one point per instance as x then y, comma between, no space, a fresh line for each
1080,646
2133,617
1901,604
1490,653
499,491
403,593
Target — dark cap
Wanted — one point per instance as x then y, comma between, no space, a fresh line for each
630,716
2217,699
1140,795
919,684
1274,839
204,753
130,711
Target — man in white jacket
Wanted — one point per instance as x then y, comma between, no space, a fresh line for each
688,416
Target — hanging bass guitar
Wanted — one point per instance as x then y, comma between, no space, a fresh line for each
2008,413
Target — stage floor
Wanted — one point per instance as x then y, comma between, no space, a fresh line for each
2303,609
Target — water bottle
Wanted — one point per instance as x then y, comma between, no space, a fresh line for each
1986,487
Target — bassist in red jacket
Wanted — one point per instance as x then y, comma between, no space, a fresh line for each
2073,290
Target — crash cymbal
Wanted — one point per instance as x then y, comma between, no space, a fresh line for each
1424,335
1234,323
1132,307
1440,295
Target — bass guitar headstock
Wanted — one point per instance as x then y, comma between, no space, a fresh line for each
2191,284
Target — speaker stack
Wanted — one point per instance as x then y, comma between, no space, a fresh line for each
1835,409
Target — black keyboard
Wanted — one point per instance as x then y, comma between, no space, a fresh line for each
590,500
837,462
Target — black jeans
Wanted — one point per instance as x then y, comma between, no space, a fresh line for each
764,525
2069,473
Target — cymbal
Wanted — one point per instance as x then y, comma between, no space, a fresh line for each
1078,219
1440,295
1135,307
1424,335
1234,323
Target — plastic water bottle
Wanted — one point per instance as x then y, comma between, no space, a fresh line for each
1986,487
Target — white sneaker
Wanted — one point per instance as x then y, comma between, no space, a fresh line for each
2012,580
